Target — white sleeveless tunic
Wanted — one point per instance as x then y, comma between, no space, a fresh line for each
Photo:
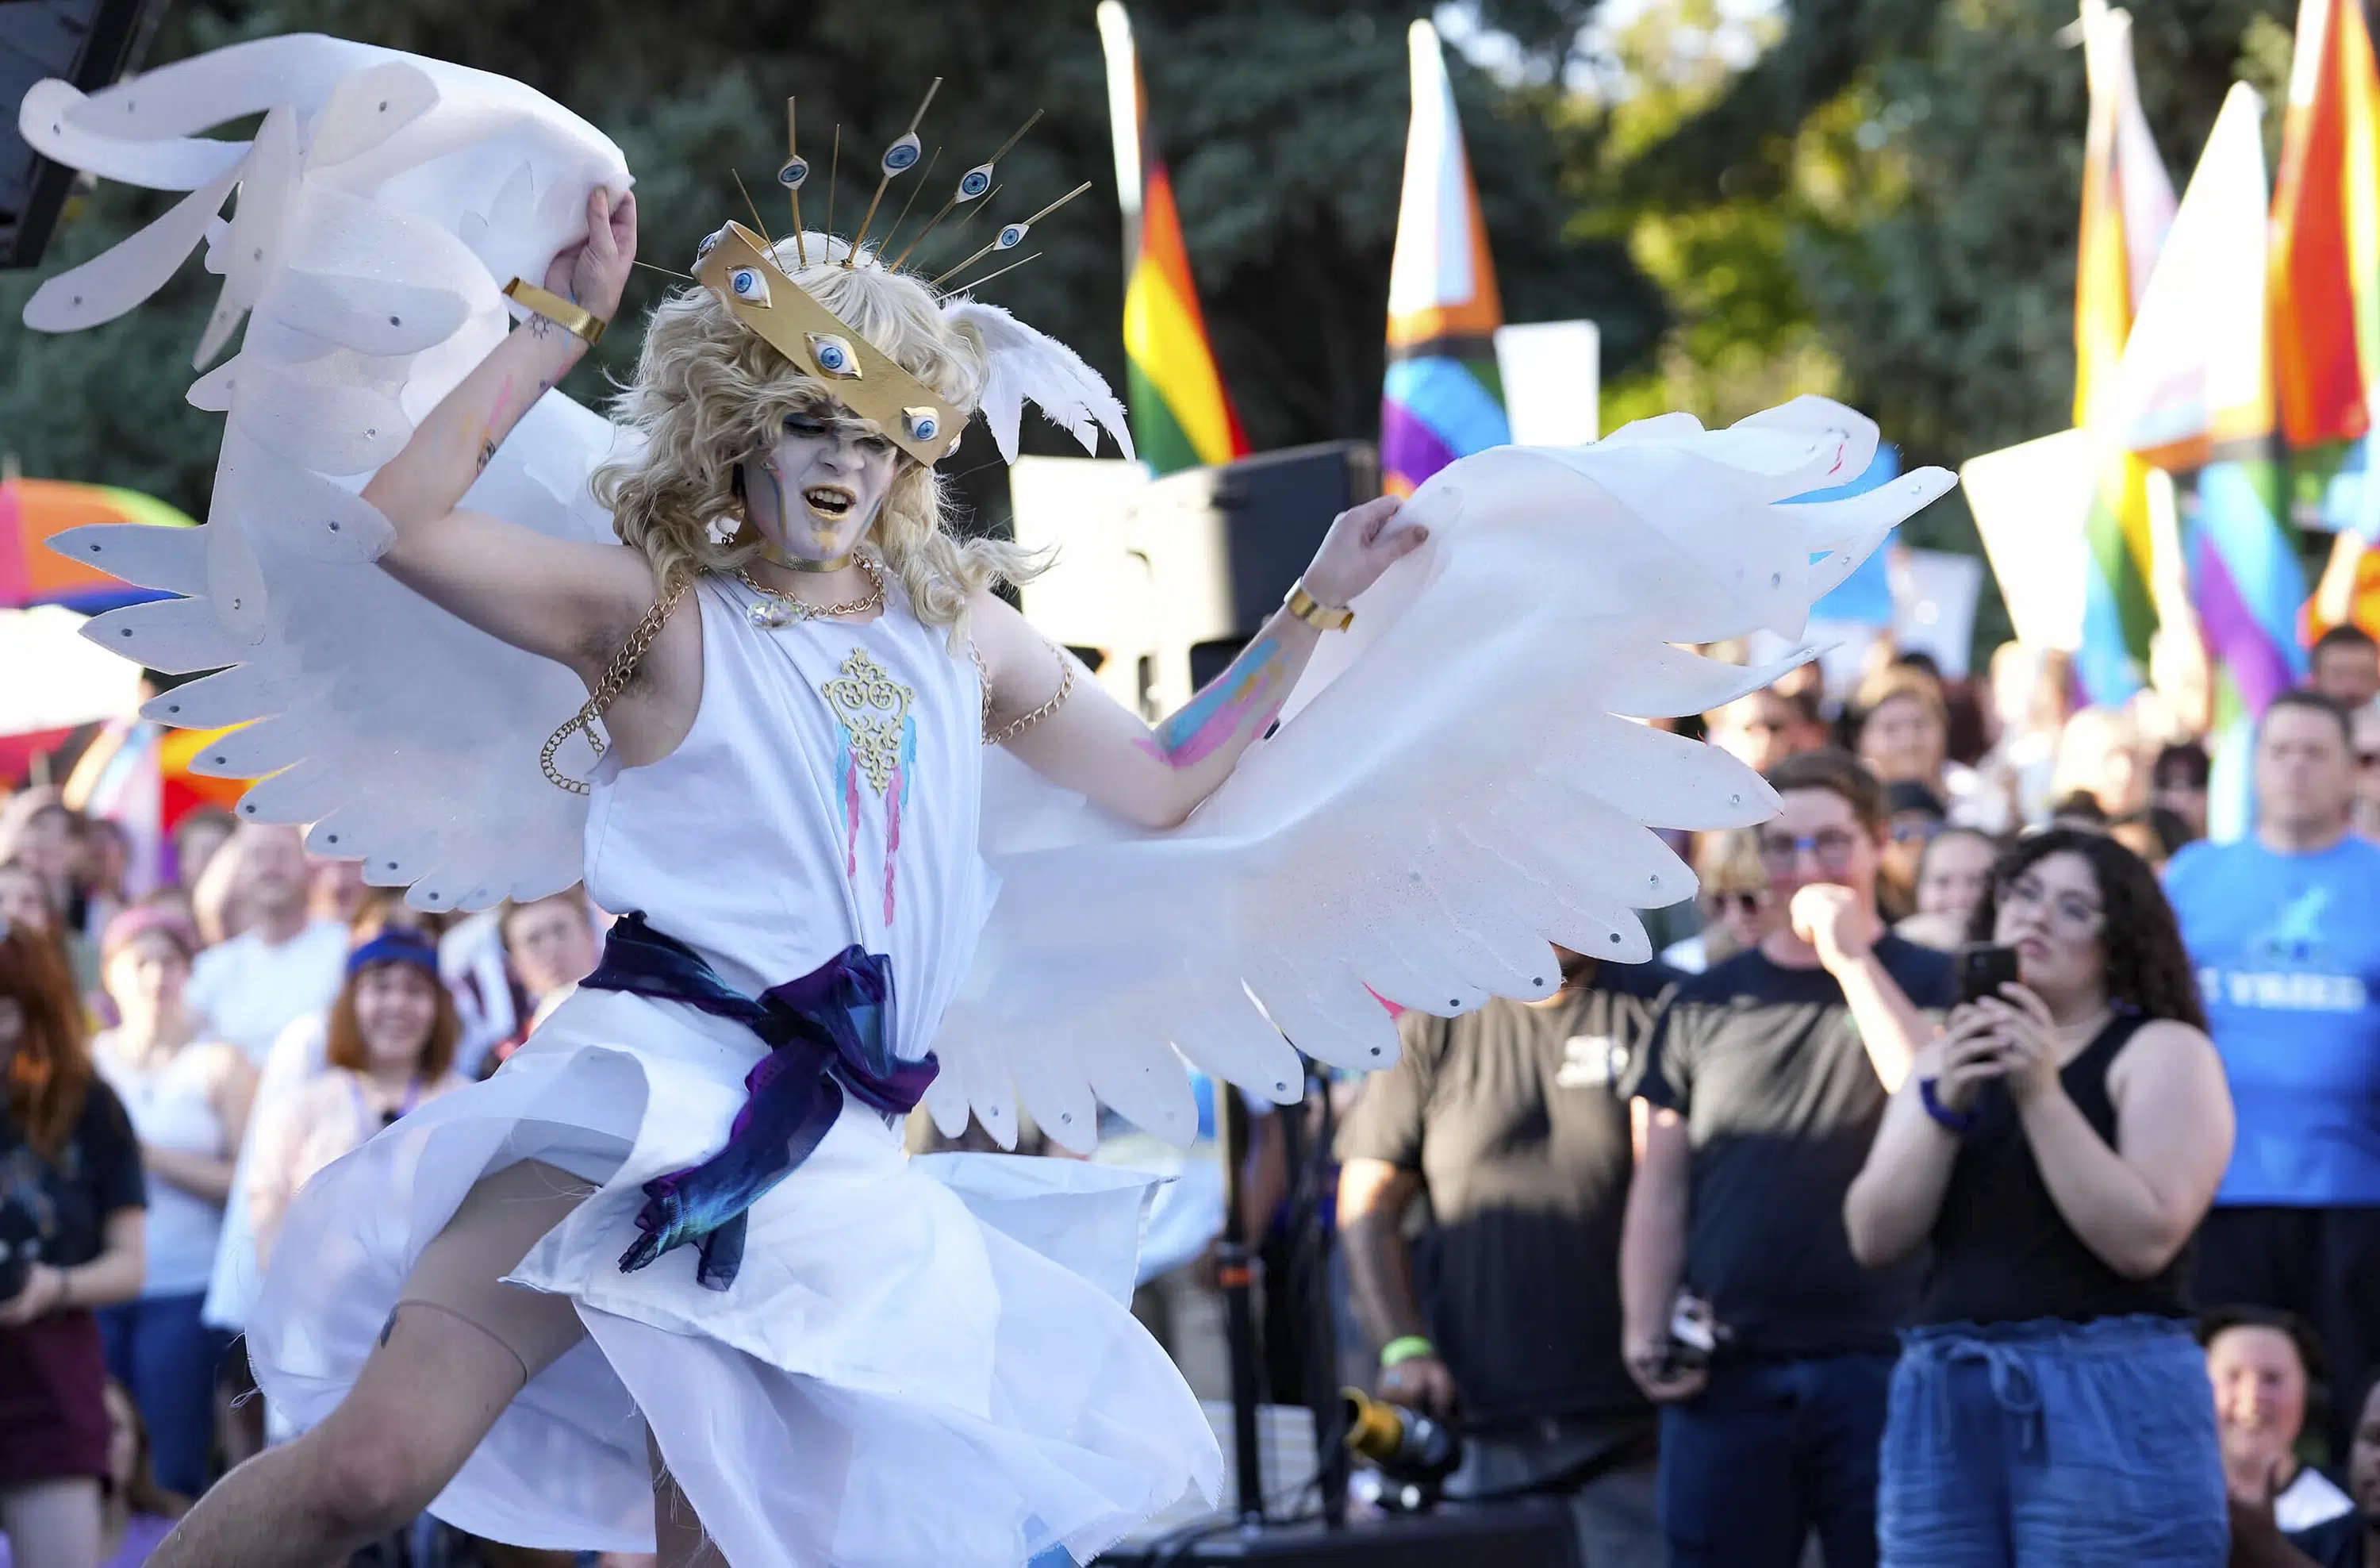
921,1361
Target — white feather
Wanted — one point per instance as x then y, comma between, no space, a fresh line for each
1026,364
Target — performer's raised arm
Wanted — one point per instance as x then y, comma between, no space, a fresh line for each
569,600
1156,778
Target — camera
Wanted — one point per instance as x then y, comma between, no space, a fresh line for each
1412,1452
20,1246
1695,1334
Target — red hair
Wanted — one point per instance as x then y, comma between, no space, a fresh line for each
49,1073
344,1046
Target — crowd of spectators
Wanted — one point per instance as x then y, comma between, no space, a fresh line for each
1788,1246
2074,1270
185,1043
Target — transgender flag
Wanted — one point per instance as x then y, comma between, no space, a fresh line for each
1442,399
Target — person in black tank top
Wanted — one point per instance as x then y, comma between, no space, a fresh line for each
2056,1148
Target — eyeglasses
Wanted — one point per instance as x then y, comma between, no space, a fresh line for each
1834,849
1926,830
1737,903
2071,910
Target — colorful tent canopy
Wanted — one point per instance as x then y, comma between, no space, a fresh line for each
33,511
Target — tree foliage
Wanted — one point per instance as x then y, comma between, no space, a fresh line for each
1283,120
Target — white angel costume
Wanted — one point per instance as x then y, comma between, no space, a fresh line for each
922,1360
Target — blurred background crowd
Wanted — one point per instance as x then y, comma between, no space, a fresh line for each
196,1023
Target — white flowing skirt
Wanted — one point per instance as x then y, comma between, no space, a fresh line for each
921,1361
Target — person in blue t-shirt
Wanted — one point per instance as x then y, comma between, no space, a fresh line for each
2285,930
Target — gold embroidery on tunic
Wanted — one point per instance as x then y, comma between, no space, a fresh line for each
871,706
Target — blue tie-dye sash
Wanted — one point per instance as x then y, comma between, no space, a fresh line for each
828,1033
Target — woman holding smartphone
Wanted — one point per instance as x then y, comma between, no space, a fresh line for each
2057,1146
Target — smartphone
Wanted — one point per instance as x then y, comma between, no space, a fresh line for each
1982,969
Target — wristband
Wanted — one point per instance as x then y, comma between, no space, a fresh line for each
1313,612
1960,1122
573,319
1405,1347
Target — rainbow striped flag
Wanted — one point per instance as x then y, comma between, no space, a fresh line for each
2127,204
2199,371
2326,277
1442,399
1182,418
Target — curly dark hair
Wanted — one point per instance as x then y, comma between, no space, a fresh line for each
2148,969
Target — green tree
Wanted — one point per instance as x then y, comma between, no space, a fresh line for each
1284,123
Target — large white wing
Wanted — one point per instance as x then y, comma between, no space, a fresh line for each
1455,784
384,202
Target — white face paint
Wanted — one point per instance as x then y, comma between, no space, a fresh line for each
815,493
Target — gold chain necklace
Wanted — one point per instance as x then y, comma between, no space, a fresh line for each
777,607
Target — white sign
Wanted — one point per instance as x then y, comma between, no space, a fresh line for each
2030,502
1552,374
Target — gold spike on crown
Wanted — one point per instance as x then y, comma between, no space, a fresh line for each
741,268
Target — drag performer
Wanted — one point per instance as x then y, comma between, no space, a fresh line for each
668,1277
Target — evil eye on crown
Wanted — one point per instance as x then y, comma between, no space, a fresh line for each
833,356
746,283
923,424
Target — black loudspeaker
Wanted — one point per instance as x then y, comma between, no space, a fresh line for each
1526,1533
1234,538
90,44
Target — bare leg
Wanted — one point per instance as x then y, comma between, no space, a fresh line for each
453,1354
429,1393
677,1532
51,1524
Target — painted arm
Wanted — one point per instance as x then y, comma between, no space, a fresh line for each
568,600
1157,777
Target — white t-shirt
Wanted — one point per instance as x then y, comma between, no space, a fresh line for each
2308,1500
250,990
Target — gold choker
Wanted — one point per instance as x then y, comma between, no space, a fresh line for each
777,557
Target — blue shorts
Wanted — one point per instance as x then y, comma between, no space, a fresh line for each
2052,1445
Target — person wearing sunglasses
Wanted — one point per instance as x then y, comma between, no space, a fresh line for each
2285,928
2050,1158
1745,1314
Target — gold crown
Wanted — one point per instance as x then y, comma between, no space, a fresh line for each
741,268
736,266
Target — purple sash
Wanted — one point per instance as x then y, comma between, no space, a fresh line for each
828,1033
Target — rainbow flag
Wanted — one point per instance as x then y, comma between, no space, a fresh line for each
2325,220
2127,204
1442,399
1181,415
2195,391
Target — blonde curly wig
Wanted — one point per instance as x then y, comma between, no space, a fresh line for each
709,392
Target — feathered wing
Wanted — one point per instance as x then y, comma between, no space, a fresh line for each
383,204
1456,784
1027,364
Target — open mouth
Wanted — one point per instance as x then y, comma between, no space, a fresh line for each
830,501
